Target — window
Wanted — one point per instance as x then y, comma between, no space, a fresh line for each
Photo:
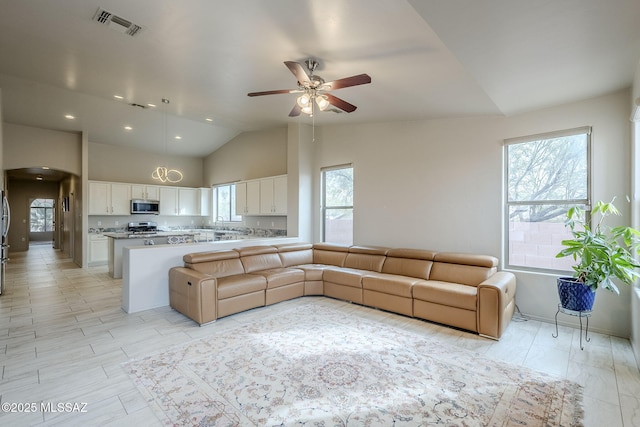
41,215
545,176
337,204
224,203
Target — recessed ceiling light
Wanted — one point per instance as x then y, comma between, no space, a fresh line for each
39,177
208,119
151,105
178,137
118,96
69,116
128,128
45,168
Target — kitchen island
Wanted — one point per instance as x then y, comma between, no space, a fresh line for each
119,241
145,269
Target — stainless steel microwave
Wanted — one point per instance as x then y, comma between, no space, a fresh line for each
139,206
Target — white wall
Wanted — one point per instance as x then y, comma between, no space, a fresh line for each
27,146
250,155
122,164
635,174
438,185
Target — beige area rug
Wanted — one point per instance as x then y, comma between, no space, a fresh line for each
313,365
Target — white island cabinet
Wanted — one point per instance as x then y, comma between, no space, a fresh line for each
145,269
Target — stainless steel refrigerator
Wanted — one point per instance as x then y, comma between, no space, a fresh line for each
5,222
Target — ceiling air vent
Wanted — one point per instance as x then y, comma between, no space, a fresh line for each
117,23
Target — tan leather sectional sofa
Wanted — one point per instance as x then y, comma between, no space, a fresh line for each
456,289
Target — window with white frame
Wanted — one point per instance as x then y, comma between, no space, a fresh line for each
337,204
545,175
224,203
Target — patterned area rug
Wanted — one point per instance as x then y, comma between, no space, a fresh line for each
313,365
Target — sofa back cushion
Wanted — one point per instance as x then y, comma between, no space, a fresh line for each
366,258
256,258
462,268
329,254
409,262
295,254
216,263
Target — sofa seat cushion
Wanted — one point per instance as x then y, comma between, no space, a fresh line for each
344,276
391,284
277,277
240,284
446,293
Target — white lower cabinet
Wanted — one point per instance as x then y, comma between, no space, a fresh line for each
98,249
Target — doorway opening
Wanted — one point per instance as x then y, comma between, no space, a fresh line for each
42,222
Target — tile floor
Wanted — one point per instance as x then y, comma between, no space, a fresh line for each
63,337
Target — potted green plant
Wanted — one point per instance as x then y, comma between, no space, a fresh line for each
602,253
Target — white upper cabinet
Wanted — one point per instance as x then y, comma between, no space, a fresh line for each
169,201
205,201
114,198
120,199
188,201
248,197
109,198
99,203
273,195
266,196
145,192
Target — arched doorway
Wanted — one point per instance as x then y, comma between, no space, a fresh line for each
42,222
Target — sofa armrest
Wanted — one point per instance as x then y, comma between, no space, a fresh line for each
496,303
193,294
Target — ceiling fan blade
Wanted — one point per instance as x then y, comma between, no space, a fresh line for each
273,92
296,111
340,103
360,79
299,72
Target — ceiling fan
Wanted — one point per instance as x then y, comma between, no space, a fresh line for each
313,89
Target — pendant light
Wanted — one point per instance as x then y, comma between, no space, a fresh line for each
163,173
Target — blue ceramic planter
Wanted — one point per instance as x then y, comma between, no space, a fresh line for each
574,295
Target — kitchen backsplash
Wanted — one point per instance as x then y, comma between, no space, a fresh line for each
267,226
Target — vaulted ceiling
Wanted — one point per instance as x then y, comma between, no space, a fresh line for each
427,59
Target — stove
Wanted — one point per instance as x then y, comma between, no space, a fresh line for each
148,227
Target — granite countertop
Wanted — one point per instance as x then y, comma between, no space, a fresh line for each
126,235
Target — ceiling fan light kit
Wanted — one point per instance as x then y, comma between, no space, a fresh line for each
313,89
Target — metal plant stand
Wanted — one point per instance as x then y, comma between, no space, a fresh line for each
580,315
